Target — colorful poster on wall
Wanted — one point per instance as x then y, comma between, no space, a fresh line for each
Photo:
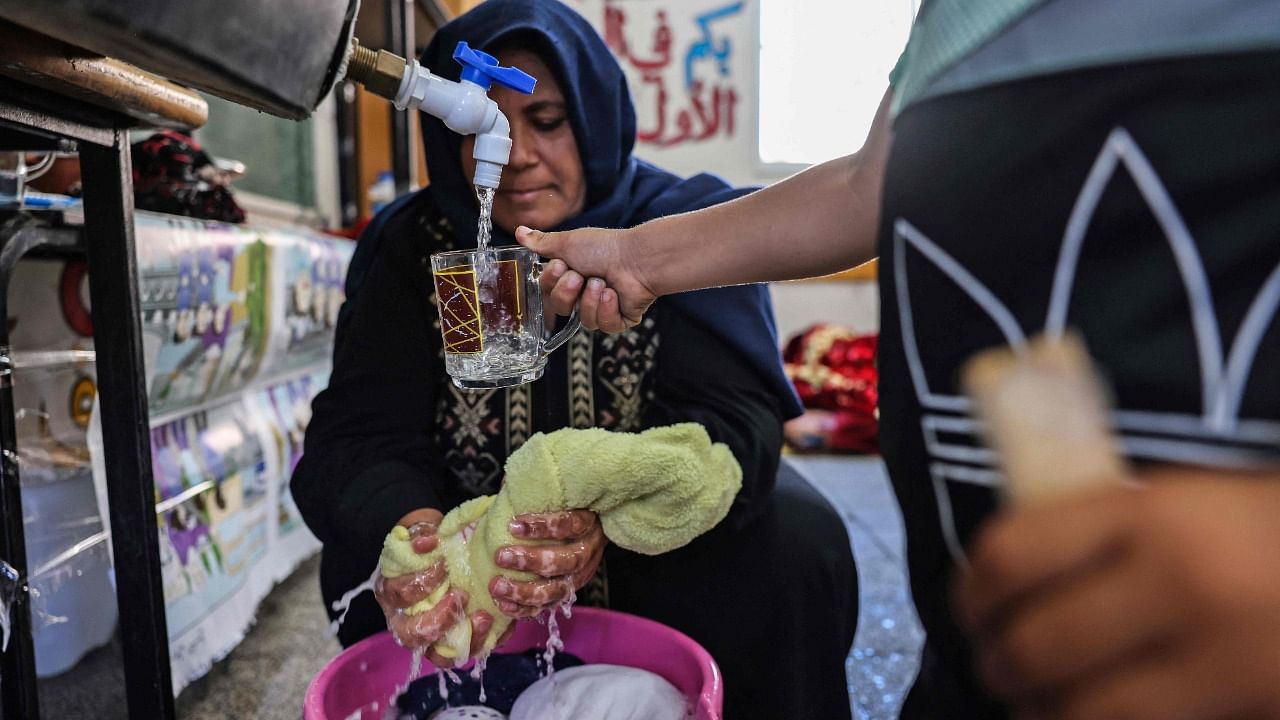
309,275
249,316
212,510
284,409
203,287
690,67
238,337
224,305
228,528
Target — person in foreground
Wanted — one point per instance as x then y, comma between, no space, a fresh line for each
1034,168
771,592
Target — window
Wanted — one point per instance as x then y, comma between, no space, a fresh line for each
824,65
277,153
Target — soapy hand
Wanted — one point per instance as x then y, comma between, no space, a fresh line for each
614,298
394,595
655,491
575,545
1158,602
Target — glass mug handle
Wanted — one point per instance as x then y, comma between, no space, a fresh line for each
566,332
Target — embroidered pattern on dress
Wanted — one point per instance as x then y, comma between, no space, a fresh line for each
467,427
596,592
624,369
582,392
519,409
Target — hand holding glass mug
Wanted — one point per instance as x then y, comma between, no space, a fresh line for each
561,288
617,295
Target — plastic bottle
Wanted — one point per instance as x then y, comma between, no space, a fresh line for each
382,191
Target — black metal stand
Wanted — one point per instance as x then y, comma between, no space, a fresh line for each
18,666
108,206
400,39
106,176
348,168
18,236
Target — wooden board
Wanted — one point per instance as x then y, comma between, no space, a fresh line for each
866,272
55,66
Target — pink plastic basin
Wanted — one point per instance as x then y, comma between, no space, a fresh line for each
369,671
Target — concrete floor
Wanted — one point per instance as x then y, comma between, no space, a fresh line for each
266,675
264,678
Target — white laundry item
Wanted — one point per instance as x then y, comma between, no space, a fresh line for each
601,692
469,712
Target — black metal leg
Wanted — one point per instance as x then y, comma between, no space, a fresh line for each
18,666
348,169
18,669
399,22
113,290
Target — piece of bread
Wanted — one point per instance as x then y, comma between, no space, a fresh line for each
1044,412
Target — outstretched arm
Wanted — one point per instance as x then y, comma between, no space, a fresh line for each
819,221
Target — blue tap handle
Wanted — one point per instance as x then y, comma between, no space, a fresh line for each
483,69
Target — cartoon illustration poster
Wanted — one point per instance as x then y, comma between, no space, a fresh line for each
204,288
309,276
284,410
211,487
238,337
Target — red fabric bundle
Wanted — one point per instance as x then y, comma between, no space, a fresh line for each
834,371
173,174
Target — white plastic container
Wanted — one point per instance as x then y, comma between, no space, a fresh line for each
73,605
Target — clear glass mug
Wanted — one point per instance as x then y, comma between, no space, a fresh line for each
493,329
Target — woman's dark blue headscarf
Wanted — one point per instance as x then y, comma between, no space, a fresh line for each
622,190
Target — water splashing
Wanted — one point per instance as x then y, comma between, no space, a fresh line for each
567,606
484,224
487,268
343,604
477,674
554,643
415,667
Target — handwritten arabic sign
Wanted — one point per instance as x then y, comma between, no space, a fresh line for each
688,64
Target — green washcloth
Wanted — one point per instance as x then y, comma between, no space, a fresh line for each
654,492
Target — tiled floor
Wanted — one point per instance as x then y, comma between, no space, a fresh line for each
886,649
266,675
264,678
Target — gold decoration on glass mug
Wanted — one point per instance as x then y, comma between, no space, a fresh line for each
491,317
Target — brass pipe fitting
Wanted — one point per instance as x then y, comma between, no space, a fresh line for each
379,71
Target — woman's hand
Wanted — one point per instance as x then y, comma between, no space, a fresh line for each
421,631
563,565
613,299
1158,602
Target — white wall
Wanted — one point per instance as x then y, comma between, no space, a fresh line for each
635,30
729,148
796,305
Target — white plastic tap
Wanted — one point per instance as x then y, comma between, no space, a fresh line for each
465,106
